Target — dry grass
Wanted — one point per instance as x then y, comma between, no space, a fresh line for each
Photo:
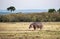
20,30
24,26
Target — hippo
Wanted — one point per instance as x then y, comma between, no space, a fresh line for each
36,25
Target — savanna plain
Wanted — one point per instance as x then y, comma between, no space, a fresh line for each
20,30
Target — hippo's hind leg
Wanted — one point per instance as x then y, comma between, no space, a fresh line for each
41,27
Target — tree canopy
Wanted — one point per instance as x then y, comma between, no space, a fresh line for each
11,8
51,10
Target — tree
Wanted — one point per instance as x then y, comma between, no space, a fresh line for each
11,8
58,10
51,10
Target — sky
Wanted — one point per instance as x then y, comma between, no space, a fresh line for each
30,4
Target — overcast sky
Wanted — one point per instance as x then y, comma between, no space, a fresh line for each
30,4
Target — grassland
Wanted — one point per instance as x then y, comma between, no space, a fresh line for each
20,30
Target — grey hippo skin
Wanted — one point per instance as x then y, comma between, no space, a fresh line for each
36,25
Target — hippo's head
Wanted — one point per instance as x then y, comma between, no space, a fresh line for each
31,26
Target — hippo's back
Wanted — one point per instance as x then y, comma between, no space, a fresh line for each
37,23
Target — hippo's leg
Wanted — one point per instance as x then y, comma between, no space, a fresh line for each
34,27
40,27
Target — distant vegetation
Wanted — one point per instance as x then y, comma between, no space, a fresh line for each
51,10
11,8
58,10
51,16
54,11
34,17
